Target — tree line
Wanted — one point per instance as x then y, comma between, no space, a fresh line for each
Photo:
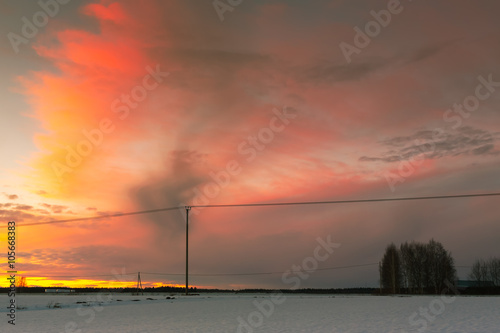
486,273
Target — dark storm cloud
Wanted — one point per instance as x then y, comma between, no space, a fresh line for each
173,191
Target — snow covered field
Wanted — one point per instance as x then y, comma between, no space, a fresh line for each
252,313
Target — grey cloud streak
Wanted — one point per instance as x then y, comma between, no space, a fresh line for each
465,141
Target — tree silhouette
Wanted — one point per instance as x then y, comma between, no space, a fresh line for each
390,270
486,271
417,267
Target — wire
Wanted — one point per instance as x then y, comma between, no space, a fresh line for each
206,275
100,217
219,274
351,201
261,273
213,275
264,205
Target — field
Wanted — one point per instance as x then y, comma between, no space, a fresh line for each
101,313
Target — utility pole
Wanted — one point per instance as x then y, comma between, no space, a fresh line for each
139,283
187,249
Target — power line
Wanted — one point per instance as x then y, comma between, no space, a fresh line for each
344,267
216,274
207,275
266,205
264,273
351,201
99,217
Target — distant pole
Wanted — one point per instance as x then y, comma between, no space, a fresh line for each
139,283
187,248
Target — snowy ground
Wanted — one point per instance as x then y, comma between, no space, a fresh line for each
251,313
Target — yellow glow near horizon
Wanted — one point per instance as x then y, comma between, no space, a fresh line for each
86,283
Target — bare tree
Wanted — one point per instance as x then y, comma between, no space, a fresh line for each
441,266
390,270
477,272
494,271
405,254
486,271
426,267
413,266
421,267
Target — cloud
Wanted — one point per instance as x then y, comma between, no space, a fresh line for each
436,145
79,262
29,213
11,196
220,59
55,209
20,215
22,207
330,73
186,172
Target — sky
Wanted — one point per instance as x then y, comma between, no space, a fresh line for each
111,107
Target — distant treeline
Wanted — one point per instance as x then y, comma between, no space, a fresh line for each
471,290
168,289
486,272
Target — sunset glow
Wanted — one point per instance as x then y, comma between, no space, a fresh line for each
116,107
